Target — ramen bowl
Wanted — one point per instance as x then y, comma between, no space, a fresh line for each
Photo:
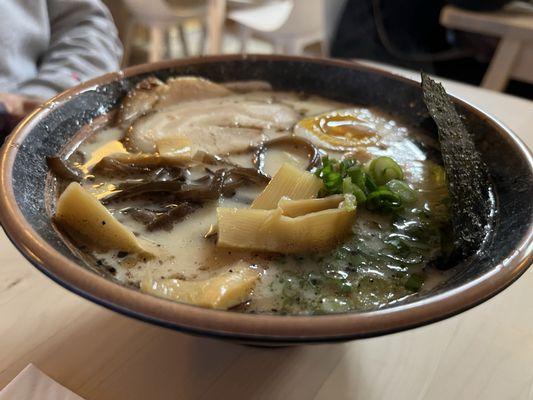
24,196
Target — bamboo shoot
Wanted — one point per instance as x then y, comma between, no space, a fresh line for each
269,230
291,182
296,208
224,291
86,220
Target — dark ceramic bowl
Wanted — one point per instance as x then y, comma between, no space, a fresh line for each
24,217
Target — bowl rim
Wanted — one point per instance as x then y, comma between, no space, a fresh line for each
239,326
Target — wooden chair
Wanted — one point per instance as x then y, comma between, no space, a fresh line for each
513,58
159,17
290,25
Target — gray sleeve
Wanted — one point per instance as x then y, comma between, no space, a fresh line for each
83,44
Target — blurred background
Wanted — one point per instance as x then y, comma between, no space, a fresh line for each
484,42
51,45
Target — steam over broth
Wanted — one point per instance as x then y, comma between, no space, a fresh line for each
385,257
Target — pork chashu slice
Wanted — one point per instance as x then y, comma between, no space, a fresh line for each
153,94
216,125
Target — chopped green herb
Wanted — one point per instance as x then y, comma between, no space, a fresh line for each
384,169
383,200
401,189
347,177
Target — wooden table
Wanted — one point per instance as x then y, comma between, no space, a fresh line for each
514,55
485,353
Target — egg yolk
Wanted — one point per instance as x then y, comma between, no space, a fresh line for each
344,130
347,126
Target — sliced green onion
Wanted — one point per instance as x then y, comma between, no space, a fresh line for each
383,200
344,165
325,167
384,169
331,176
362,179
333,179
348,187
349,178
358,176
359,194
402,189
370,184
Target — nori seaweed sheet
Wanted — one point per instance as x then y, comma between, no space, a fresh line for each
466,173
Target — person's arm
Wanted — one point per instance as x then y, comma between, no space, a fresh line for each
83,44
14,107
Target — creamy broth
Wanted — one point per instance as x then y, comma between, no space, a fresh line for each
384,260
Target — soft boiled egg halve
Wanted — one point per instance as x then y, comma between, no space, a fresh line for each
341,129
